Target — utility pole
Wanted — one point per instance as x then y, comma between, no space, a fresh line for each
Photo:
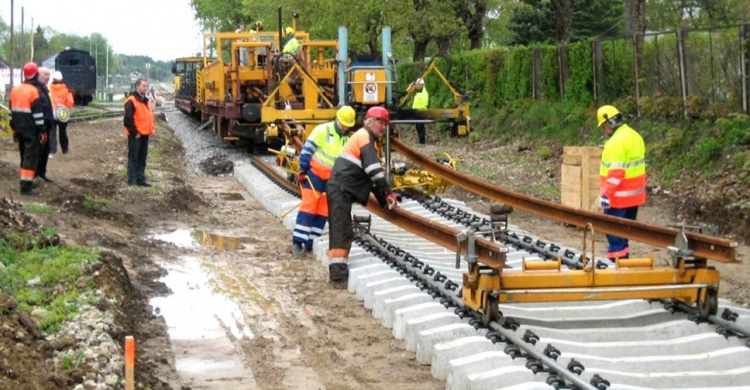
20,52
32,39
107,68
11,46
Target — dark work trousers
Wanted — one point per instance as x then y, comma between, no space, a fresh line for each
41,169
618,246
62,135
340,228
421,133
137,155
29,148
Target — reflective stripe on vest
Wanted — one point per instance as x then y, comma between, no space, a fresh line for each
622,173
329,143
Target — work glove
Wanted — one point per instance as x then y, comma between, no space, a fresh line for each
391,201
302,178
604,201
44,138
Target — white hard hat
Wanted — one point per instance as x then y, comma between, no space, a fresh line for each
420,81
57,76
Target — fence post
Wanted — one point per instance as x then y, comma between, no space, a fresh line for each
744,68
537,74
596,51
562,59
681,38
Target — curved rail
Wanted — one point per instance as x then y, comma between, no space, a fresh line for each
488,252
713,248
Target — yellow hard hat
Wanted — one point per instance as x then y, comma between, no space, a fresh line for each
605,113
346,116
289,30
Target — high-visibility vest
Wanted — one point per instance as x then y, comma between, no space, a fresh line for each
26,109
291,46
421,100
622,173
328,144
143,116
61,96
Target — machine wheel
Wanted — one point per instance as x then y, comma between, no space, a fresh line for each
491,311
710,305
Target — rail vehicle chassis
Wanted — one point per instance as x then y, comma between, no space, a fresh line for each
688,280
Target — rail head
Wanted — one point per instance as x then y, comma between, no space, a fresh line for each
709,247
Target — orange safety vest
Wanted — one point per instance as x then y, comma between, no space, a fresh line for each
61,96
143,117
26,109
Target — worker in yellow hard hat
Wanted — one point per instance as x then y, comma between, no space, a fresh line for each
258,27
622,174
292,43
321,149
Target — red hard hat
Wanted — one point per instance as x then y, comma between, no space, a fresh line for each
378,112
30,70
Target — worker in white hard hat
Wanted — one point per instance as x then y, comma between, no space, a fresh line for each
62,102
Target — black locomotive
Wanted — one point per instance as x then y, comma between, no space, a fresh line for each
79,73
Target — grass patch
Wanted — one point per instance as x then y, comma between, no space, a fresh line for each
39,208
95,203
51,278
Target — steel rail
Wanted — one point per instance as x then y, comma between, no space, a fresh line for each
488,252
702,245
440,286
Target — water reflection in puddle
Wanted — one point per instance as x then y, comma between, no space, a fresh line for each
193,311
185,238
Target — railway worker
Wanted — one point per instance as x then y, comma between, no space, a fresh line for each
357,172
240,28
27,122
292,43
61,97
421,102
316,160
622,174
258,27
139,126
49,123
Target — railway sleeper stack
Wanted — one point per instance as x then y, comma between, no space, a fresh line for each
633,344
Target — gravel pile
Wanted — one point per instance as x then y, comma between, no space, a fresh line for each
84,343
206,153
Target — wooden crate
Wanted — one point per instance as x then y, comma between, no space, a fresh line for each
580,176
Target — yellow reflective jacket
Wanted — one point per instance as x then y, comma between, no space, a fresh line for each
421,100
622,173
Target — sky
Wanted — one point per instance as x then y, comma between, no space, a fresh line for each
160,29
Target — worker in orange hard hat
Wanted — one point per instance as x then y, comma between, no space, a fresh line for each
27,122
316,160
357,172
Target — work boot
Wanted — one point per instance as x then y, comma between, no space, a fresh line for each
298,249
338,275
27,188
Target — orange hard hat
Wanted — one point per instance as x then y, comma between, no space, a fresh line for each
30,70
378,112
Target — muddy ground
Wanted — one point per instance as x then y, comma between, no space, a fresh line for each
285,328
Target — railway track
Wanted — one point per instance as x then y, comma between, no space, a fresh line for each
411,285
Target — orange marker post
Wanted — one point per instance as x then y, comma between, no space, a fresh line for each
129,363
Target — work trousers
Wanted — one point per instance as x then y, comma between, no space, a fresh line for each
41,168
618,246
137,155
421,133
29,149
62,133
340,227
312,215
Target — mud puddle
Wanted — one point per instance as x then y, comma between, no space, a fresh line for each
203,321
